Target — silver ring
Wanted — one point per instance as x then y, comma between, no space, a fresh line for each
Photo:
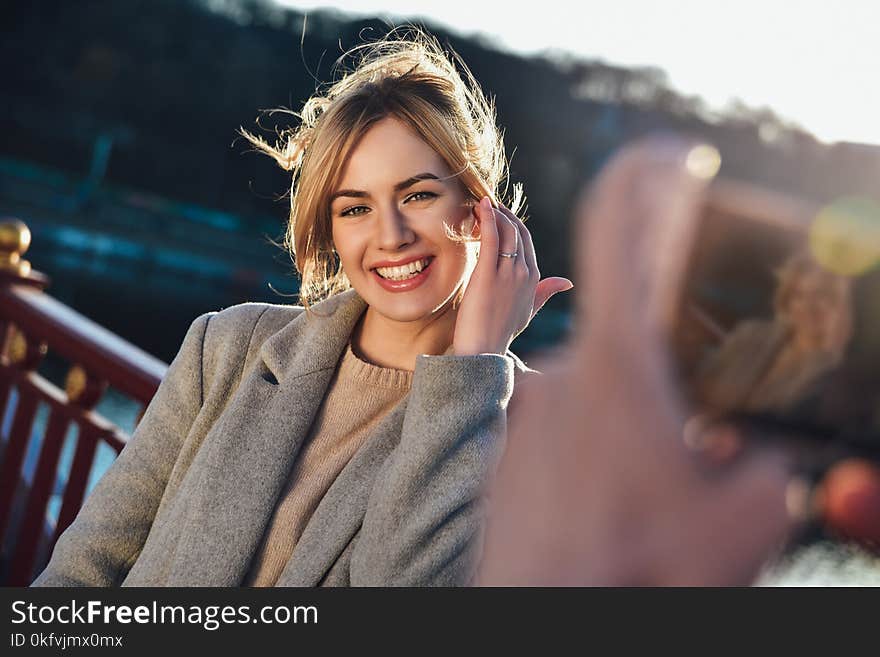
508,255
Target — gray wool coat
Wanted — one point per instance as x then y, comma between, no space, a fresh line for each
188,499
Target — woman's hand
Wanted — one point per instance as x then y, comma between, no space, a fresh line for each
505,290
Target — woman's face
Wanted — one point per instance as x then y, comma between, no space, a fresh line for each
388,216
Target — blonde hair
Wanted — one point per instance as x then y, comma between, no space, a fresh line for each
408,76
794,269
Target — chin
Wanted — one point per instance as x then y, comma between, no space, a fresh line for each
407,310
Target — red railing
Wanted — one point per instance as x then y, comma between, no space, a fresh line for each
31,324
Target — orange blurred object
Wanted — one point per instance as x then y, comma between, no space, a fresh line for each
850,500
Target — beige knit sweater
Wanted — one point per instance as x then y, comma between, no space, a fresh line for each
358,397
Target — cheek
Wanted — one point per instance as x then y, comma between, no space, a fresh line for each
349,248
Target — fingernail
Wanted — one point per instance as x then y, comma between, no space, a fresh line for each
800,502
701,160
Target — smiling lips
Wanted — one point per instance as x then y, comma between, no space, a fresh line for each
405,276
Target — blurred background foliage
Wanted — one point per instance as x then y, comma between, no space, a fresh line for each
119,147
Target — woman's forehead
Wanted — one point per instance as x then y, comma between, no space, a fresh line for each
388,153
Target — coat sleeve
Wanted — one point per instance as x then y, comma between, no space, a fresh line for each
424,518
109,532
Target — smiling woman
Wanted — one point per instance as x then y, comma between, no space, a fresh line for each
390,219
346,441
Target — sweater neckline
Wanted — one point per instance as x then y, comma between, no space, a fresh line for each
354,367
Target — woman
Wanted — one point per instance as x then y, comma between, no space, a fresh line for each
344,443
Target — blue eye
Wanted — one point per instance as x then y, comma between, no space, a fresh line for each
354,211
420,196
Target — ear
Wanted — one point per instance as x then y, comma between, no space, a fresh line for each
470,226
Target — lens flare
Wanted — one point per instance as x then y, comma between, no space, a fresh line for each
845,236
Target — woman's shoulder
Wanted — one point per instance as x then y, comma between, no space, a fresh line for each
245,321
251,318
233,334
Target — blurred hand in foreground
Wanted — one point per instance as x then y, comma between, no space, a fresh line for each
596,486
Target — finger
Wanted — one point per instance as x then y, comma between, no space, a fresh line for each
488,259
635,228
748,517
715,443
525,242
547,288
508,236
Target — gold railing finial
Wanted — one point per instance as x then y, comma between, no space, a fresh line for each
15,238
82,389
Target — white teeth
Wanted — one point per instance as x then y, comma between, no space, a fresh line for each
403,272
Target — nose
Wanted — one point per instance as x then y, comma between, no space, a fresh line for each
393,230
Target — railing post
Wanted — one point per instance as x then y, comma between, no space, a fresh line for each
15,239
16,353
25,356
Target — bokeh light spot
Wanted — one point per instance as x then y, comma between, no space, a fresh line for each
845,236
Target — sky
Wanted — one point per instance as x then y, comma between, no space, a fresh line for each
814,62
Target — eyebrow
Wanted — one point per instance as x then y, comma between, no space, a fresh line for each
409,182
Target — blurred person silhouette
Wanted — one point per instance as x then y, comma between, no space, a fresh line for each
775,364
596,486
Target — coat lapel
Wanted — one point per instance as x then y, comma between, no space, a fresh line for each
246,457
